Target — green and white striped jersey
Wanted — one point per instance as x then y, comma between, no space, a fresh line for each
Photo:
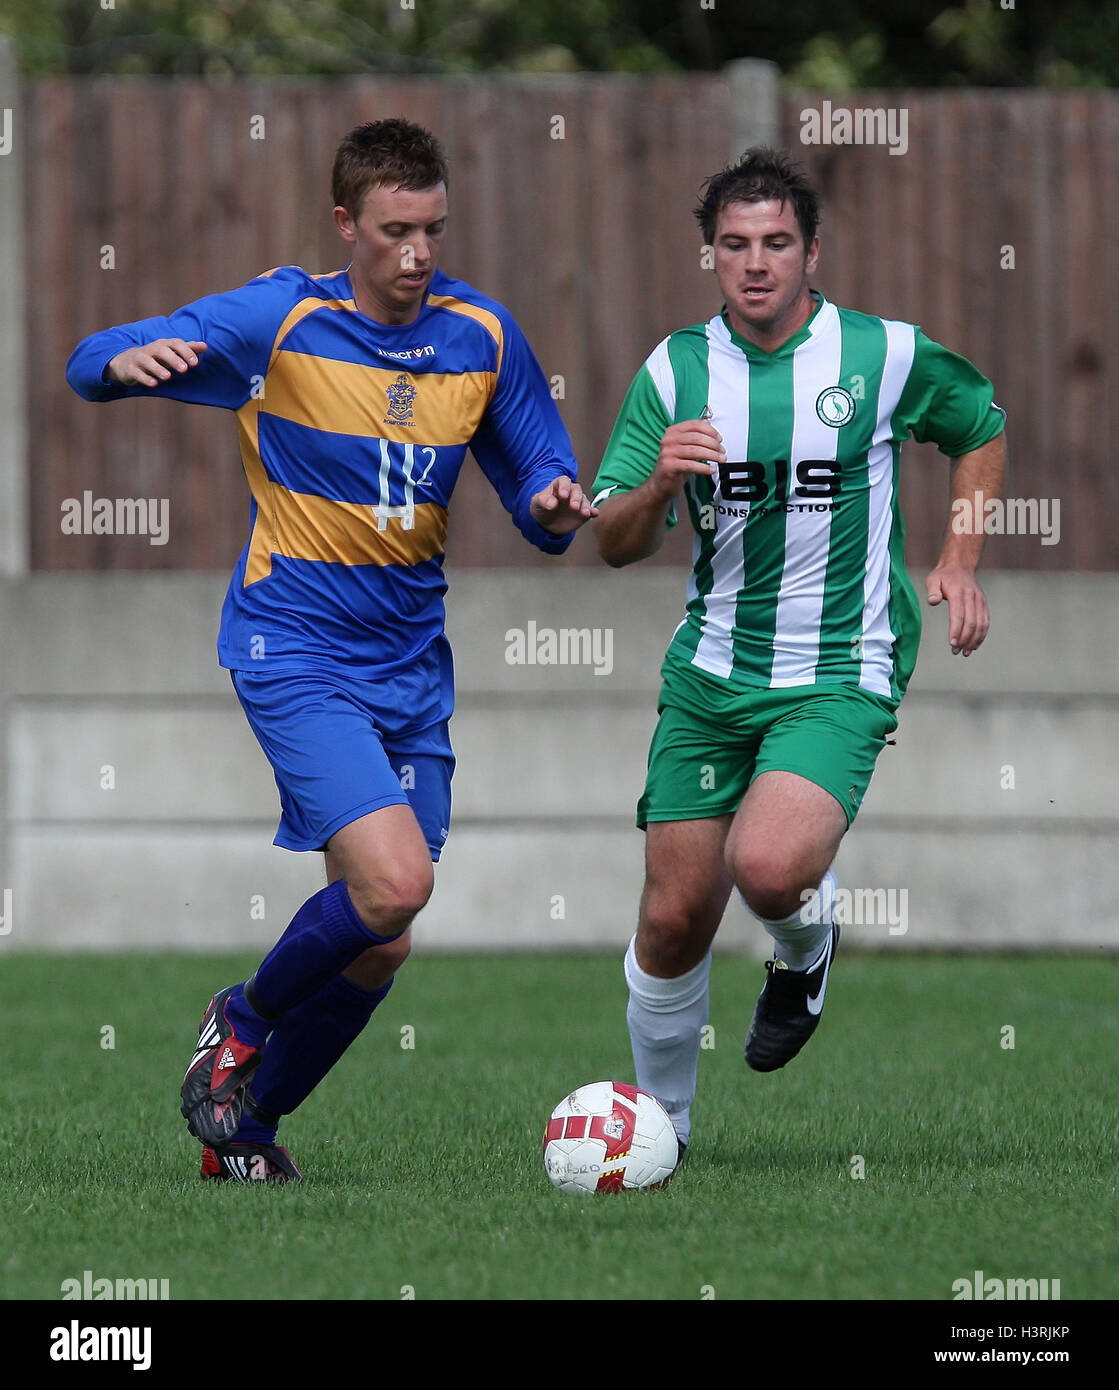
798,573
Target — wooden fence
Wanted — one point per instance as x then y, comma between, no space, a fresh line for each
993,179
590,240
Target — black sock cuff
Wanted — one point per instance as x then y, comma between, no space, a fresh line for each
258,1112
249,989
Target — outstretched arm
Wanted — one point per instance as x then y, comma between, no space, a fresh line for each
152,363
209,352
976,476
523,448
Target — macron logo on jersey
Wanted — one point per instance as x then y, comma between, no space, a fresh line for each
407,354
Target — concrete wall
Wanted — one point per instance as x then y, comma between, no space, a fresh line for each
113,679
13,346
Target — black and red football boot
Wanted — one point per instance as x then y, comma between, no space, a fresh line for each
213,1089
249,1163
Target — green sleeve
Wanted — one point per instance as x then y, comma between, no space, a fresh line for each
948,400
635,441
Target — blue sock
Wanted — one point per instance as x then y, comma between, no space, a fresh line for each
324,937
255,1131
304,1045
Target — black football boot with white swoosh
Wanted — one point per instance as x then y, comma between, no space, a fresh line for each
788,1009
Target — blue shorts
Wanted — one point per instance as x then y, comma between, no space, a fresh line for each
342,747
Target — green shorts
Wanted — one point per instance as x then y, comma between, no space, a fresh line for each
712,740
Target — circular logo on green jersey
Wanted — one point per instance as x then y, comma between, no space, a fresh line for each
835,406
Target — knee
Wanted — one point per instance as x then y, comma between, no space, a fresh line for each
388,903
773,889
667,936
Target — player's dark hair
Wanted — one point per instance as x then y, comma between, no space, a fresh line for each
761,175
392,152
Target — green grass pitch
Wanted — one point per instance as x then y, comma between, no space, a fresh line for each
423,1163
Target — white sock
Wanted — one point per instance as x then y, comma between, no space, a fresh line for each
666,1019
800,938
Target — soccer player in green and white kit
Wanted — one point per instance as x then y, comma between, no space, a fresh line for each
778,424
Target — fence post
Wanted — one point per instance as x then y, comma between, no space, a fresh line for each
755,103
13,340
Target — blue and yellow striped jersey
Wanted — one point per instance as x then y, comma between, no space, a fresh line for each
352,436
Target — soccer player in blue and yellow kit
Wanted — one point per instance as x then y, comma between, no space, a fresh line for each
357,395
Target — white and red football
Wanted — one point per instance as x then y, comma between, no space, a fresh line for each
609,1137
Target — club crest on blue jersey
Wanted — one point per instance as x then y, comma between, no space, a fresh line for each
835,406
401,394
